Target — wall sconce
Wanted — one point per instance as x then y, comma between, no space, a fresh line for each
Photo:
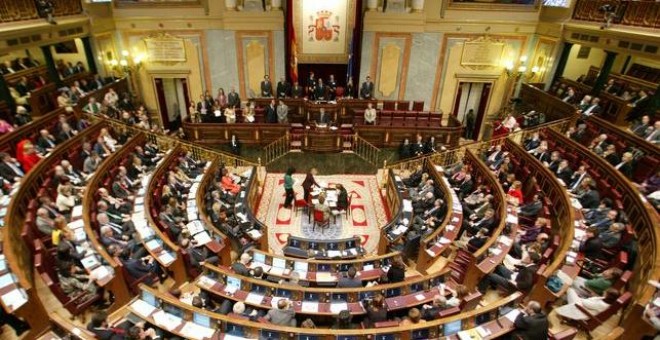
521,72
123,67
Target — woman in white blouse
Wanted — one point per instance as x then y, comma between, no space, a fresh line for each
109,142
65,200
594,305
370,115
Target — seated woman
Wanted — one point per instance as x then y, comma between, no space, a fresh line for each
598,284
323,207
457,296
66,199
230,115
514,195
228,184
376,311
5,127
73,282
370,115
249,114
594,305
27,155
414,318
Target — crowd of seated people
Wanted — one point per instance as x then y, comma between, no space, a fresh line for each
419,147
17,65
646,129
220,202
29,151
377,312
603,222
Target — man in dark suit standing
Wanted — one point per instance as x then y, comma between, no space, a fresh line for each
367,89
233,99
310,84
332,87
638,106
266,87
418,147
532,323
283,88
271,113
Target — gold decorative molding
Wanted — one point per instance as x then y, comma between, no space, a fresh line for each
482,52
389,69
242,58
163,47
376,61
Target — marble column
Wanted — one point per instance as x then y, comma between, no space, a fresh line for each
563,59
89,54
53,75
372,5
417,5
276,5
5,95
604,72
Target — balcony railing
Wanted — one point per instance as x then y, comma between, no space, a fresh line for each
19,10
631,13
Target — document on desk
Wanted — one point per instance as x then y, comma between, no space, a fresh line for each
79,223
254,234
407,206
254,298
139,200
202,238
100,274
309,307
166,258
139,208
576,203
512,219
194,331
76,212
167,321
578,233
469,334
325,277
206,282
14,299
483,332
444,240
142,308
334,253
506,241
335,308
420,297
512,315
153,244
90,262
79,234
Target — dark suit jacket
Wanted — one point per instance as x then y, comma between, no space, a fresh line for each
367,90
592,248
271,115
233,99
137,269
626,169
531,210
325,119
565,175
283,89
613,159
465,188
525,277
531,327
8,173
590,199
266,89
43,144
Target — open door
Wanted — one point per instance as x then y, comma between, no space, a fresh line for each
470,106
173,101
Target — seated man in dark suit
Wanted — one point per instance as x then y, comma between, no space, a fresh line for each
532,208
10,169
323,117
532,323
139,267
100,327
521,279
589,198
487,222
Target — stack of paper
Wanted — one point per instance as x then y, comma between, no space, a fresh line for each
202,238
254,299
142,308
335,308
167,321
407,206
166,258
194,331
512,315
310,307
14,299
325,277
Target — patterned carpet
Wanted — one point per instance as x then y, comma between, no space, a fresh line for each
367,212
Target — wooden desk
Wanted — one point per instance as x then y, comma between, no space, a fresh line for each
322,140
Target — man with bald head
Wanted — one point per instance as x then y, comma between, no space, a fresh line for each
531,323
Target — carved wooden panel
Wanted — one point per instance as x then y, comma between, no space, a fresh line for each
18,10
